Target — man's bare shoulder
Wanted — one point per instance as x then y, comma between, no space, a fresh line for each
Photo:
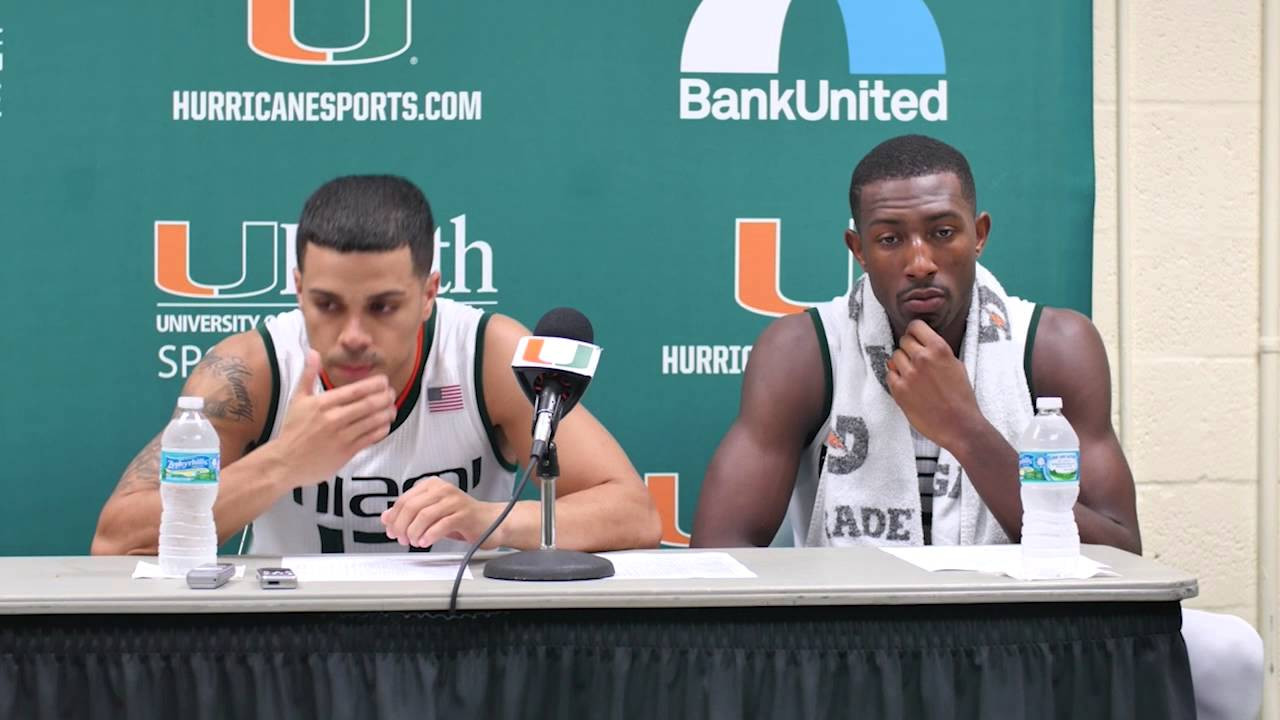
788,345
235,380
502,332
501,335
785,387
1064,325
1066,332
1068,353
503,398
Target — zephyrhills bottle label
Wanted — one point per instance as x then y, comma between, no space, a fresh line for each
189,468
1050,466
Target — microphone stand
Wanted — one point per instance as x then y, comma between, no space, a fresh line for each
548,562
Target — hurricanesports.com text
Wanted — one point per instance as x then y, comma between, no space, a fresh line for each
326,106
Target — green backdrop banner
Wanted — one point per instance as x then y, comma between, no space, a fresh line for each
677,170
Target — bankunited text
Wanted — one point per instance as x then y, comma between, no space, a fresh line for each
872,101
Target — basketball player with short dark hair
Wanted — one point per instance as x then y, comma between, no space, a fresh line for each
379,416
888,416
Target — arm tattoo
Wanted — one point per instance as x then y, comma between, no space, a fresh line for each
231,401
144,471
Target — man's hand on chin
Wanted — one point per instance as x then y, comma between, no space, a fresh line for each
931,386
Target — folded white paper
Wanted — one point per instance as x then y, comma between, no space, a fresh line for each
1000,559
368,568
675,565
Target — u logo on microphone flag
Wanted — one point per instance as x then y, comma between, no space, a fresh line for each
445,398
557,353
540,351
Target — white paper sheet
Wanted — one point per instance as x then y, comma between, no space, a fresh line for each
370,568
675,565
1000,559
145,570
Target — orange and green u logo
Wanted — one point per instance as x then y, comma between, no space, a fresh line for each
581,357
664,489
259,263
758,269
387,30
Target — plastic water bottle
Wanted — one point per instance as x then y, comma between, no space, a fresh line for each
189,465
1049,468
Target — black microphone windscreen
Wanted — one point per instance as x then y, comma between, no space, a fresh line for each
565,322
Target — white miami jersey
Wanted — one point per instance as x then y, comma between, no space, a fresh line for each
441,429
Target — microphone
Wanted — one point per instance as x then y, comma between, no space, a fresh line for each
554,367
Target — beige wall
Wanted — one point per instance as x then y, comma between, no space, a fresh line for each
1191,95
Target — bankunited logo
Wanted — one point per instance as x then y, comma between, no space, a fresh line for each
744,37
387,32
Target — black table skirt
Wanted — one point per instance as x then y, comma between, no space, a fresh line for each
1082,660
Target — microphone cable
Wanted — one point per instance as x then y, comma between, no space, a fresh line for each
466,559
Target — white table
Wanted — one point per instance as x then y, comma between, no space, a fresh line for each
832,632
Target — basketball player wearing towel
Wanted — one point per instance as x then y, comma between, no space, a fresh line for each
886,416
377,416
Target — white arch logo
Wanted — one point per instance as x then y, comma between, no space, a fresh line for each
895,37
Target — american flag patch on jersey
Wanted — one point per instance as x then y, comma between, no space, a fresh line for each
446,398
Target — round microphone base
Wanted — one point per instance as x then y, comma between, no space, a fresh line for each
548,565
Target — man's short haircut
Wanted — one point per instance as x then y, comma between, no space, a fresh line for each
909,156
369,213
